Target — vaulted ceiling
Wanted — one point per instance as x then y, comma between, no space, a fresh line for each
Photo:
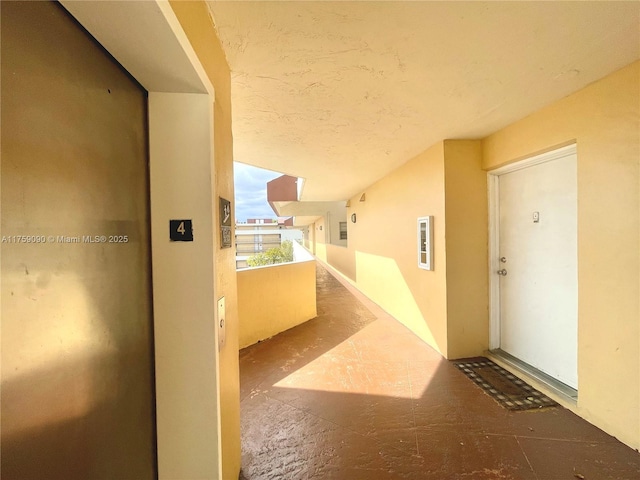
342,93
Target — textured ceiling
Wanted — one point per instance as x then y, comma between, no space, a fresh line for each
341,93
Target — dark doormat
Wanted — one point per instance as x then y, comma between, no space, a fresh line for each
504,387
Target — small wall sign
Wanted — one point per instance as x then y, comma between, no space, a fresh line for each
180,231
225,223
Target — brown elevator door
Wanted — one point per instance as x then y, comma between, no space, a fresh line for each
77,339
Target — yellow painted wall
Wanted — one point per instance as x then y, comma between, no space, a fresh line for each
273,299
467,245
446,307
604,120
198,25
310,244
320,243
343,259
384,242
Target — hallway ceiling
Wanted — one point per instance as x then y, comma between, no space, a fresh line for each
342,93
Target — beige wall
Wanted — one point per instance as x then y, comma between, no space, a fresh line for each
184,310
319,236
197,23
321,240
467,243
384,244
604,120
343,259
274,298
446,307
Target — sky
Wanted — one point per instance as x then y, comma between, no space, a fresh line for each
251,191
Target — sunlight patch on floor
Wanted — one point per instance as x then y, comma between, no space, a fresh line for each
358,366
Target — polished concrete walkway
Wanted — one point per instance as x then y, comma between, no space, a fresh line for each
353,395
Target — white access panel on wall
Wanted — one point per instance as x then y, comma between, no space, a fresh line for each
425,242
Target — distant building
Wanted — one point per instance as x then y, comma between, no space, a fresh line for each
259,235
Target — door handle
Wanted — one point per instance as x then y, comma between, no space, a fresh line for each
502,272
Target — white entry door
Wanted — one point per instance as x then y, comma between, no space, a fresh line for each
537,266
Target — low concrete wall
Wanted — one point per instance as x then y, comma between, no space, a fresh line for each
274,298
301,254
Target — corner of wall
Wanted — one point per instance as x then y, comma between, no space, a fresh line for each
466,216
198,25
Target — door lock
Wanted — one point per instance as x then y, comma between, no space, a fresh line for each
503,259
502,272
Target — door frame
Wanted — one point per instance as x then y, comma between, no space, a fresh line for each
148,40
493,186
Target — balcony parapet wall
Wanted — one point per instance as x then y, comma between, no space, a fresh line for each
275,298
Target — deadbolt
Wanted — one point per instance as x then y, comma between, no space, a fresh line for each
503,259
502,272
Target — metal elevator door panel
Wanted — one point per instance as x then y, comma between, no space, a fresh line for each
77,338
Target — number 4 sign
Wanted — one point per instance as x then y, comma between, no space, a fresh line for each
180,231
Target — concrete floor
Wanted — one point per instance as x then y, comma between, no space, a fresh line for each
354,395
